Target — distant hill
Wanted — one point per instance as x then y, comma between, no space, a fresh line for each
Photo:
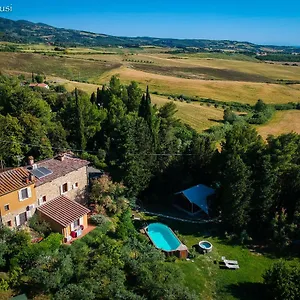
28,32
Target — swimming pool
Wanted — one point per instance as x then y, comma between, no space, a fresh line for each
205,246
163,237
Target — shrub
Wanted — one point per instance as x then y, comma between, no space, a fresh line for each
99,220
60,89
40,225
229,116
171,258
282,281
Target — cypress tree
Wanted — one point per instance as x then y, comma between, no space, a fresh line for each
93,97
145,109
142,107
99,96
81,137
106,96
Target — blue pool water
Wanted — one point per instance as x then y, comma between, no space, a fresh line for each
163,237
205,245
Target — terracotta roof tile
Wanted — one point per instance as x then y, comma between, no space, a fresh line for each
13,180
60,168
63,210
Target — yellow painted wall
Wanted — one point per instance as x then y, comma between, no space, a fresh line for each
65,231
15,205
54,225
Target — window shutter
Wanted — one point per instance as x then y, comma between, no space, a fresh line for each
28,214
29,192
69,186
81,221
20,195
72,226
61,189
40,201
17,220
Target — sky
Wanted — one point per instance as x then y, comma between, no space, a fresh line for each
261,22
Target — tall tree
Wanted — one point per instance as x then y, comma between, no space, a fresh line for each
236,193
11,137
81,142
150,115
115,85
134,96
93,97
99,96
266,196
145,109
135,161
198,159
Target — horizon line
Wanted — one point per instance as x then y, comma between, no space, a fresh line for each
156,37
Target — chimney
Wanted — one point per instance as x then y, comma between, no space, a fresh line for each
30,160
61,157
31,177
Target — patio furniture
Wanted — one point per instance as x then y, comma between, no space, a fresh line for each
229,266
230,262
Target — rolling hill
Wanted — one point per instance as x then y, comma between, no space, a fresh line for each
27,32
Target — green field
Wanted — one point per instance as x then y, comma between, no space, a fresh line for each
198,117
220,76
203,117
68,68
282,122
223,90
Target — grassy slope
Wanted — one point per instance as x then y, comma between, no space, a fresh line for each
206,278
96,67
203,117
69,68
245,92
198,117
70,85
273,71
282,122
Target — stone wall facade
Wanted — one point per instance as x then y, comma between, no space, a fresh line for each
73,185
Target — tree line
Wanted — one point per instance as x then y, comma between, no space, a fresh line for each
155,155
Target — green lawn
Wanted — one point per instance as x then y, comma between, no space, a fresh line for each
203,274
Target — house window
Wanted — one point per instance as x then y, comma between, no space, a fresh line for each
65,188
9,224
76,184
21,219
24,194
42,200
76,223
6,207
